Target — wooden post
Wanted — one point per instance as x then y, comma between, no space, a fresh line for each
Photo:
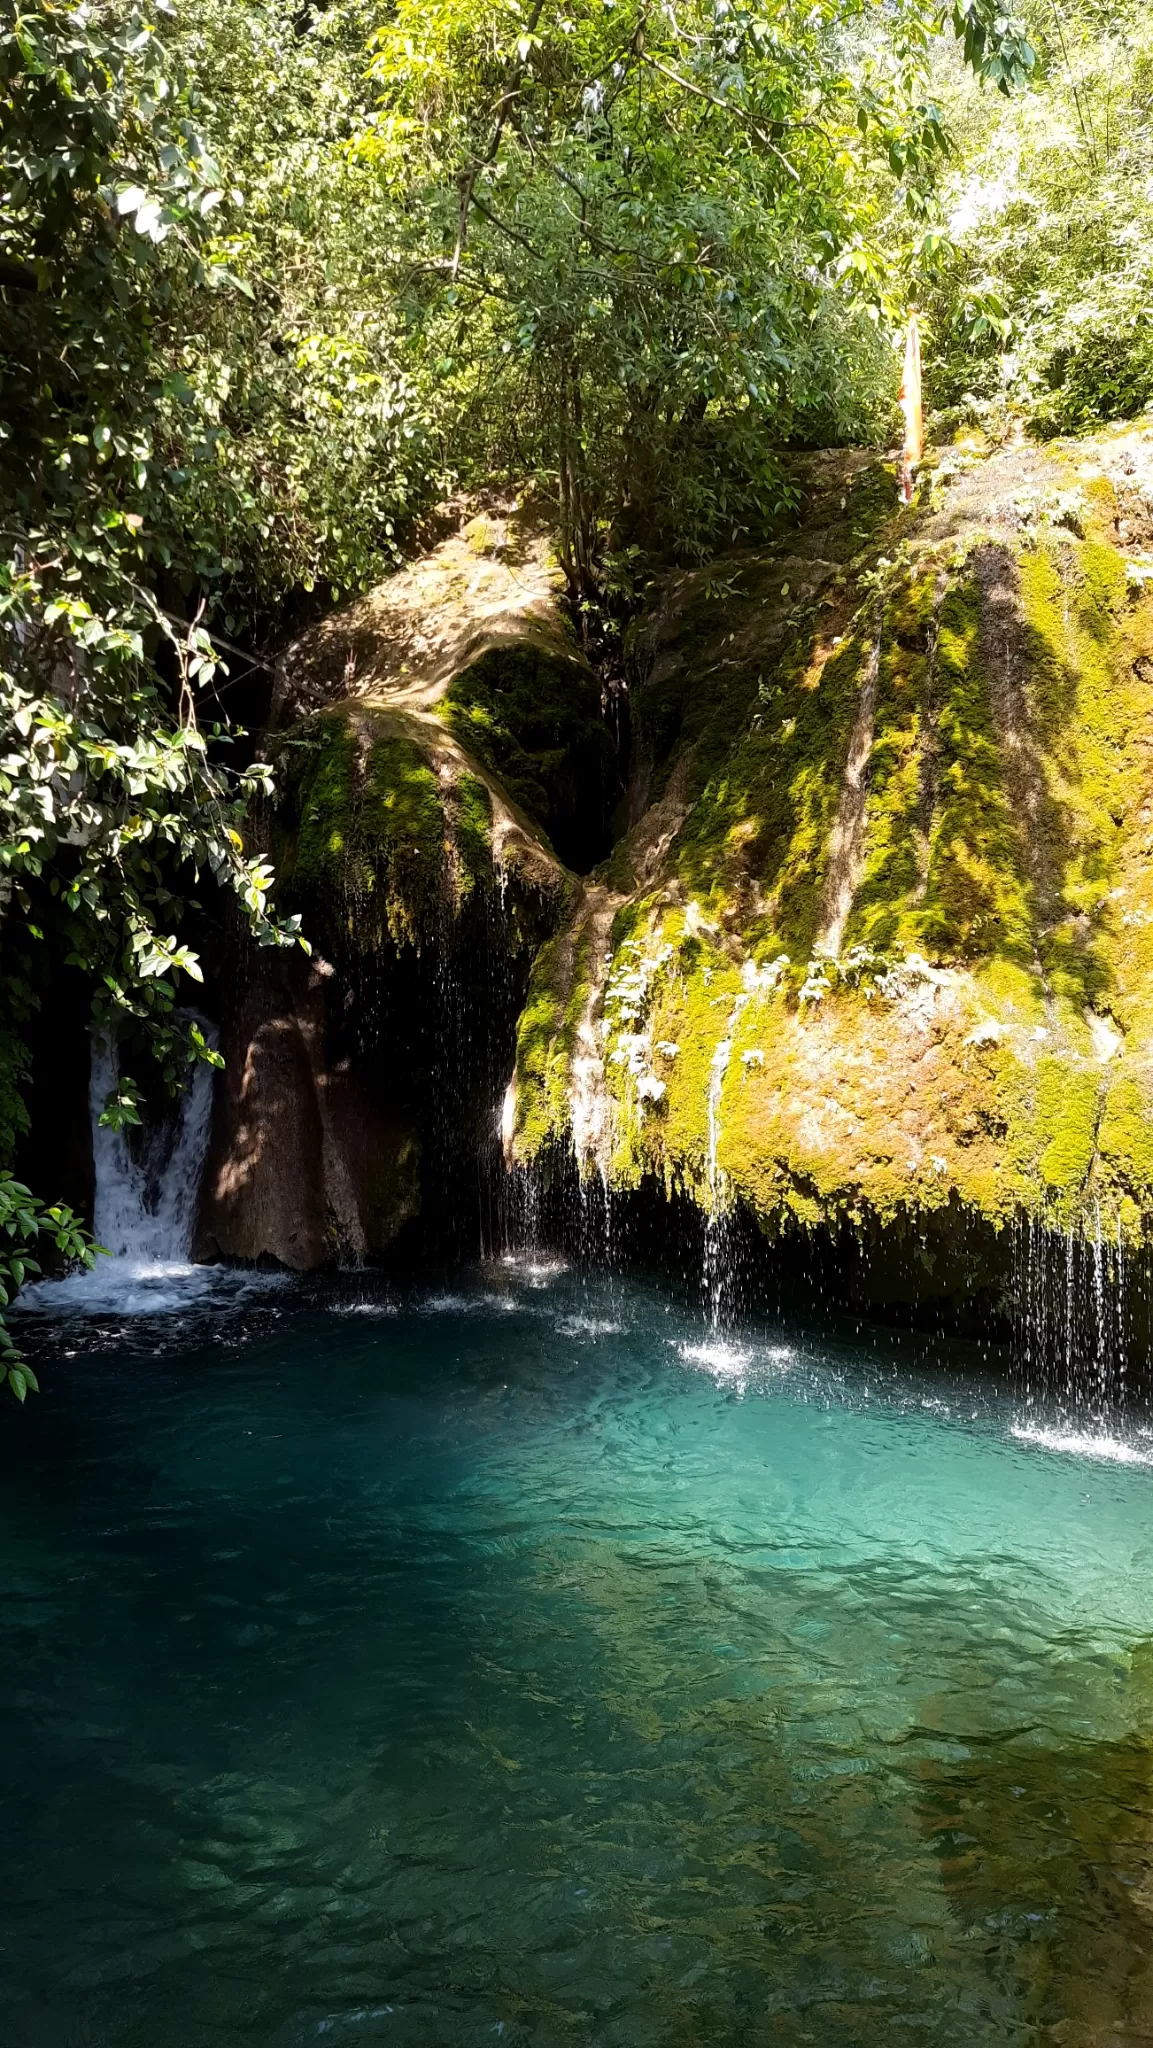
914,447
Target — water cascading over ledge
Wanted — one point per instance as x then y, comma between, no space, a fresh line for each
873,966
148,1179
362,1091
1082,1311
863,992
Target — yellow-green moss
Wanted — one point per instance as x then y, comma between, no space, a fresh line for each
1068,1100
976,897
1008,838
401,839
884,911
379,846
760,822
1070,594
1125,1143
692,1010
327,768
1131,996
472,833
546,1038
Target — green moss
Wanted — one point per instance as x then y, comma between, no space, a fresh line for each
558,995
535,720
401,839
1011,989
1125,1142
872,504
694,709
1008,836
628,922
368,856
1131,997
886,902
794,853
693,1009
976,895
1068,1100
472,833
327,767
760,824
1070,593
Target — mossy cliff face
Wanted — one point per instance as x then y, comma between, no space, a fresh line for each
432,741
879,943
472,640
389,830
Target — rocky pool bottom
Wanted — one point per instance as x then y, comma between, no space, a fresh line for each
519,1662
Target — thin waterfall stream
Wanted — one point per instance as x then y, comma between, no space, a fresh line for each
147,1183
1075,1300
718,1275
715,1264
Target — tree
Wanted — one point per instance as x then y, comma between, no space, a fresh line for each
648,235
111,807
1041,302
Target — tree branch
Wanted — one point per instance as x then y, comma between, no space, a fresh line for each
726,107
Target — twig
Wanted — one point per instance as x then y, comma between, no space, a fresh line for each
726,107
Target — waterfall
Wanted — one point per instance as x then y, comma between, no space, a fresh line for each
1069,1291
148,1185
716,1261
144,1212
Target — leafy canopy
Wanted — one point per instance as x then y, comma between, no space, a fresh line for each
1042,306
648,236
111,805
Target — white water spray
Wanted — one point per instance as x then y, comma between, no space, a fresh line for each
716,1216
1070,1287
144,1214
718,1275
147,1191
717,1262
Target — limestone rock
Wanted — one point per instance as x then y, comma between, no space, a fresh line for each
891,819
307,1167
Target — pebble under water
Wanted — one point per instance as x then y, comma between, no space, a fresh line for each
522,1664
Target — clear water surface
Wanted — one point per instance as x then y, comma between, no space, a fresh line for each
519,1665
